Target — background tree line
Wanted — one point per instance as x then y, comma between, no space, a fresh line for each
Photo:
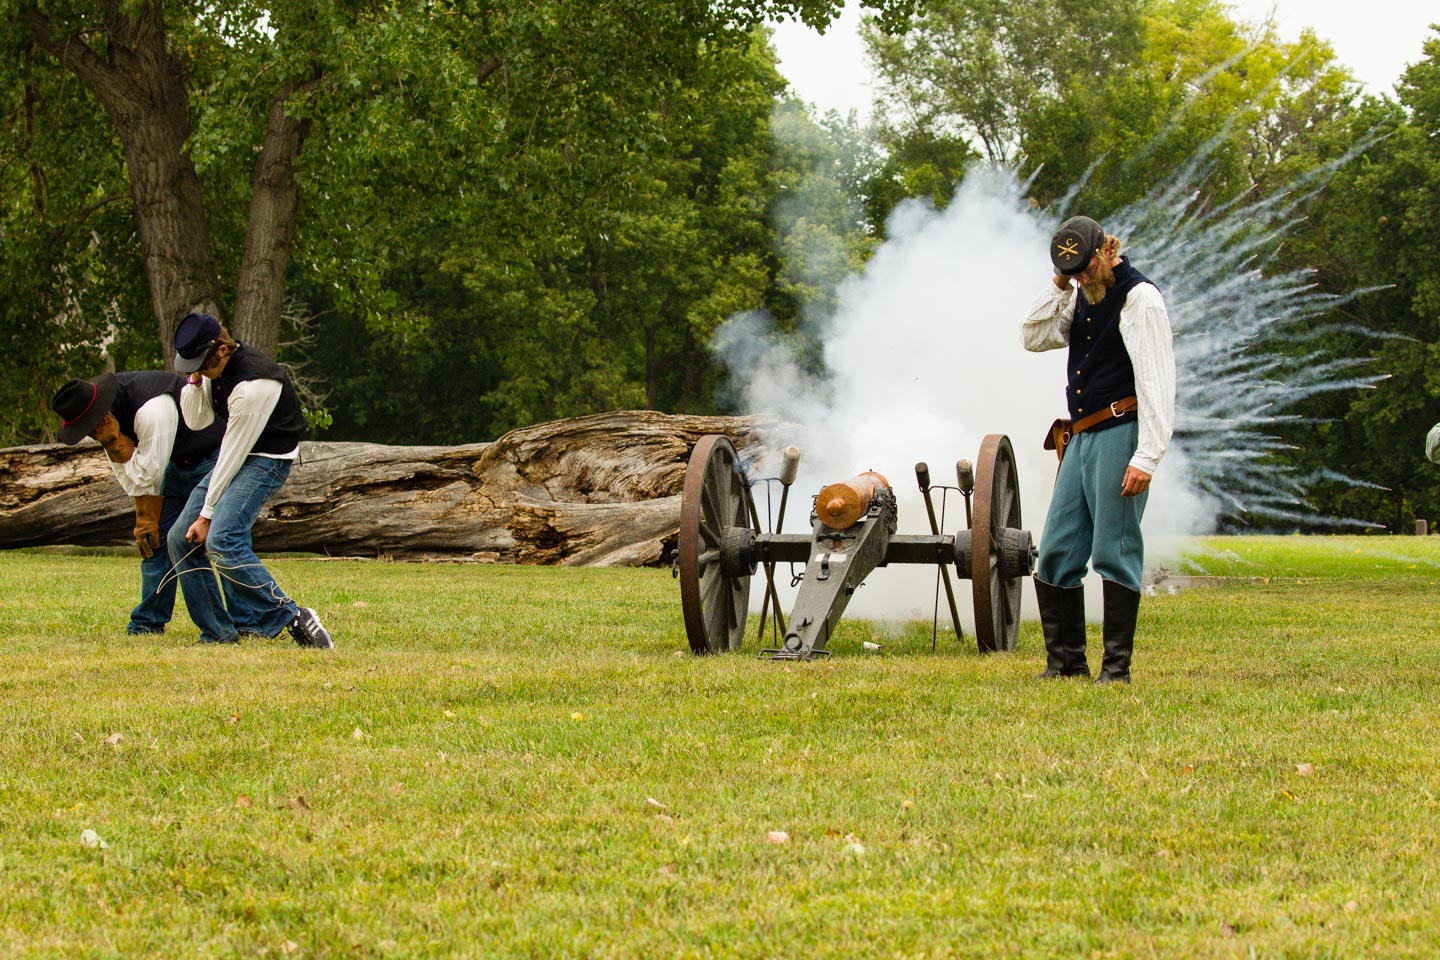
453,218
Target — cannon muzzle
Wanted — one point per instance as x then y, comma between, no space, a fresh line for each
840,505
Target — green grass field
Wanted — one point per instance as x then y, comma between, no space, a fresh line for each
516,761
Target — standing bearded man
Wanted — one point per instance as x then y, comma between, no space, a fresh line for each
1121,398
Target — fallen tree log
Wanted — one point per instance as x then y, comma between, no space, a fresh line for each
596,490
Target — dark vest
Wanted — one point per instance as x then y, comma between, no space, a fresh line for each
286,426
1099,370
138,388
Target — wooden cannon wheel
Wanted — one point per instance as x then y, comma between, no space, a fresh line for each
715,605
997,506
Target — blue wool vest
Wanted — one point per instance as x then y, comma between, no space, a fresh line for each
1099,369
286,426
138,388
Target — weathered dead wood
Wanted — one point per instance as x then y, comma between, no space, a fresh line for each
597,490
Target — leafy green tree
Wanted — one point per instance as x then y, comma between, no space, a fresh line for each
976,69
967,78
1126,91
69,264
1201,83
614,301
1373,229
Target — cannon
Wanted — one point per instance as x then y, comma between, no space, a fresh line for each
853,531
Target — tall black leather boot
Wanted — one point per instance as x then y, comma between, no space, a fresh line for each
1121,607
1062,621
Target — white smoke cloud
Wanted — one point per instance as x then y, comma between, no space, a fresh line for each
923,359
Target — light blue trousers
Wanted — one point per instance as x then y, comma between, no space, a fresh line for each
1089,522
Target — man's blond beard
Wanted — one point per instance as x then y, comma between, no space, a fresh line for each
1096,289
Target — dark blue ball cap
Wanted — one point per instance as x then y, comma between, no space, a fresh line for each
192,340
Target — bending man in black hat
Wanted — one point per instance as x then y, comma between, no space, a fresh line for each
253,397
1121,398
157,459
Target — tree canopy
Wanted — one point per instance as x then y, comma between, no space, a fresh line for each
240,135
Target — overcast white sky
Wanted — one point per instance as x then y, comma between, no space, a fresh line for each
1375,39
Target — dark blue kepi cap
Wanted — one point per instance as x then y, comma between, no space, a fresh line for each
192,340
1077,240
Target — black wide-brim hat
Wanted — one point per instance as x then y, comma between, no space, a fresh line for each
82,404
1077,240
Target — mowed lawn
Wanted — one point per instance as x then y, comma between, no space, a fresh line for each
518,761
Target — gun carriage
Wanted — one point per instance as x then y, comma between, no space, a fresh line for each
853,530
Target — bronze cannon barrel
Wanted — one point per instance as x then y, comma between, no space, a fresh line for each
840,505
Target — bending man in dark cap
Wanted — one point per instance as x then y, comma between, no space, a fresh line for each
253,397
158,460
1121,398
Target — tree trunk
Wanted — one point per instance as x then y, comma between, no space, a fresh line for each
599,490
270,233
141,85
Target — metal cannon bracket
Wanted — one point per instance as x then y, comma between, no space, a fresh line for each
721,547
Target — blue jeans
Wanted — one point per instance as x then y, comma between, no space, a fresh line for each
1089,521
157,588
256,601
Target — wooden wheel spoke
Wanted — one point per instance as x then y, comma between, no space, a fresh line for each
1007,501
715,621
710,536
739,604
713,511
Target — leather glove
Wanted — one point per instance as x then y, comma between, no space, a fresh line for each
118,447
147,524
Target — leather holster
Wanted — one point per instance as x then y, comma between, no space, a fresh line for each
1058,437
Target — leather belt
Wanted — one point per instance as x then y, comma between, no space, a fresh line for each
1118,408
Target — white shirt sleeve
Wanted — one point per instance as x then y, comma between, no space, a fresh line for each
1145,328
156,423
1047,326
195,405
250,406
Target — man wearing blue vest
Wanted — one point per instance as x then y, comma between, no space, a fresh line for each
157,460
1121,399
251,394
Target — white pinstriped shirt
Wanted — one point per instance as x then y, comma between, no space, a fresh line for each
250,405
1145,328
156,424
